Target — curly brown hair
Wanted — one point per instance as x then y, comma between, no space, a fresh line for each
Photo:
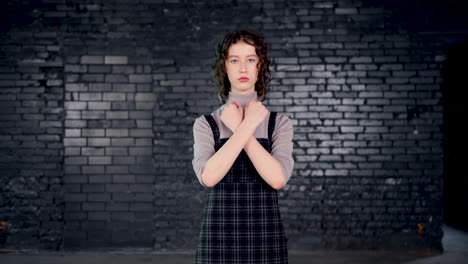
219,71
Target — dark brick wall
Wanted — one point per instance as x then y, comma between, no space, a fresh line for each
98,100
31,131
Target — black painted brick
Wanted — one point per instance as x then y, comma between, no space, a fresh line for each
107,116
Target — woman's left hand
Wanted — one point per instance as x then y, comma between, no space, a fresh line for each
255,112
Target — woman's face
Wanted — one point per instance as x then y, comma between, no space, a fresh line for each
241,67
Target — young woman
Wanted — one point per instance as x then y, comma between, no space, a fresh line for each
243,152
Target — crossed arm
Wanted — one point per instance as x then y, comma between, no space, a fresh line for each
268,167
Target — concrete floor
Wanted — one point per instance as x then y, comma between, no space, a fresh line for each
455,244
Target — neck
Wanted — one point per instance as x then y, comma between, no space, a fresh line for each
243,99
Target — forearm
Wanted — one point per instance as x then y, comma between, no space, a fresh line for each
266,165
219,164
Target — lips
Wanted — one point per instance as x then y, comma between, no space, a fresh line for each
243,79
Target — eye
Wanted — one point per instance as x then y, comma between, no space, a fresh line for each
233,61
252,60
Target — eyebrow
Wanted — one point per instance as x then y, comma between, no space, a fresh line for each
251,55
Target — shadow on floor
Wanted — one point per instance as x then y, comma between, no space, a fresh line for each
455,252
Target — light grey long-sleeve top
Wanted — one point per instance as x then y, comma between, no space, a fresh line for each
203,147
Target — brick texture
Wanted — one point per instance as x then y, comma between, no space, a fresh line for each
98,102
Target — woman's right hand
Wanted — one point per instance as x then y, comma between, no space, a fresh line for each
255,112
232,115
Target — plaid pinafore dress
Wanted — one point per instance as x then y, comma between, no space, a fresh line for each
241,221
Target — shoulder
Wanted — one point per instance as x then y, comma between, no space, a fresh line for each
200,118
201,122
282,120
283,126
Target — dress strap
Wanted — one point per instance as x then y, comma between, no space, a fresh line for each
214,126
271,125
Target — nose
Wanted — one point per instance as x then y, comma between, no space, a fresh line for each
242,67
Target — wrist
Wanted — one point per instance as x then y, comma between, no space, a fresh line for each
246,127
248,124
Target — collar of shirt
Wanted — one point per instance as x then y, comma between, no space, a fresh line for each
243,99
